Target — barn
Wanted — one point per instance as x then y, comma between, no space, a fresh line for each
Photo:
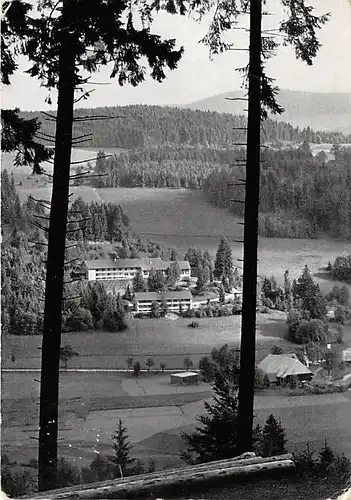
280,368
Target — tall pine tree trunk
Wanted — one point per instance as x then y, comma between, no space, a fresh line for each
49,390
248,326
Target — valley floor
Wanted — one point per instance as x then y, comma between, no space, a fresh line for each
155,414
167,341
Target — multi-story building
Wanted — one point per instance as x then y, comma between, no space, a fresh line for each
126,269
143,300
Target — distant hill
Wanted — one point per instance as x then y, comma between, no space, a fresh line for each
141,126
325,112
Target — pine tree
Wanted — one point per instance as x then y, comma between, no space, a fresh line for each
305,284
224,260
6,215
66,353
309,296
326,459
137,369
266,288
194,257
155,310
163,307
173,255
207,265
200,282
188,363
225,284
156,281
121,447
221,295
139,283
130,360
216,438
149,363
173,273
128,294
273,438
287,284
288,290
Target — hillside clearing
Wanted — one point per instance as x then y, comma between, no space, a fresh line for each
166,341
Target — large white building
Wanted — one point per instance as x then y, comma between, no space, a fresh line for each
144,300
126,269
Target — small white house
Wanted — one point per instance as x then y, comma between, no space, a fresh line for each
346,355
184,378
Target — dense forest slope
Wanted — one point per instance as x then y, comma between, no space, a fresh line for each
301,196
139,126
171,166
319,111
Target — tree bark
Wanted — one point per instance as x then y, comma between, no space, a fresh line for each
49,389
248,328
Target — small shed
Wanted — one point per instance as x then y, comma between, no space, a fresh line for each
346,355
184,378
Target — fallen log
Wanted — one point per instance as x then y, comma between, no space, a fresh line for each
147,484
245,459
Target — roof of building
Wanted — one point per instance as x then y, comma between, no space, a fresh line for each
184,294
145,263
184,374
283,365
149,263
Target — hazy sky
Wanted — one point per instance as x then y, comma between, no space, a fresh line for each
197,77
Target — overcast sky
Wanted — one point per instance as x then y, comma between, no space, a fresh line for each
197,77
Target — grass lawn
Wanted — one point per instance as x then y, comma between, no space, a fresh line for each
167,341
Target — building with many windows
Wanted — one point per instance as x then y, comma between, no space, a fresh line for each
144,300
126,269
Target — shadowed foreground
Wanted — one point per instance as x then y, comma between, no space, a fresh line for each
181,479
244,477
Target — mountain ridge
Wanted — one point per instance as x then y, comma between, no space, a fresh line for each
318,110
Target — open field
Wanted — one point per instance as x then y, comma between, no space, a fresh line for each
85,398
155,414
166,341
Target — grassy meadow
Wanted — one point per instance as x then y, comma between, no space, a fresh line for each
167,341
